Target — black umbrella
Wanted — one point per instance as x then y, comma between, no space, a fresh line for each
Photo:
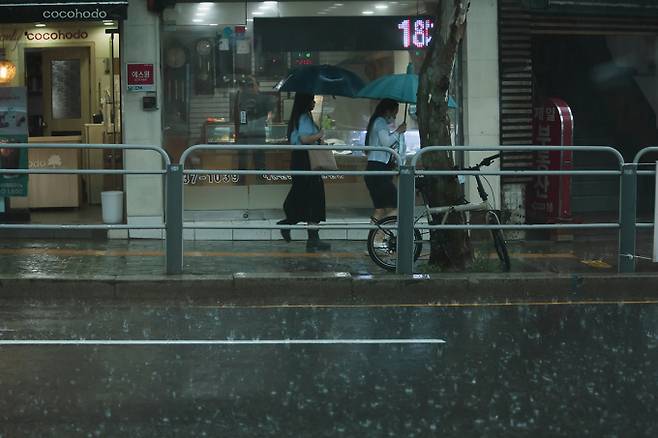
324,79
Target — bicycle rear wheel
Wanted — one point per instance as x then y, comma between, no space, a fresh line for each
499,242
382,244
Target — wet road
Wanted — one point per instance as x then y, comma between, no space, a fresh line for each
578,369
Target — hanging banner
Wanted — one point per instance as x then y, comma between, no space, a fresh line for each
13,129
549,196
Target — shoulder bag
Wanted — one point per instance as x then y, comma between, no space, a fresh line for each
322,159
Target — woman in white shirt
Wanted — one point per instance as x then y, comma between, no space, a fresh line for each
381,187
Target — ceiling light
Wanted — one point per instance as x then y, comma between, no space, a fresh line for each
197,20
213,24
39,25
7,69
338,5
381,6
258,13
270,4
367,12
106,23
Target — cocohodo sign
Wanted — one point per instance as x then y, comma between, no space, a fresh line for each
15,11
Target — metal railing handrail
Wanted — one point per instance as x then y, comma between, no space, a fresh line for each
67,171
642,152
511,148
146,147
409,171
639,155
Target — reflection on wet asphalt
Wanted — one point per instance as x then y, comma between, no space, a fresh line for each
25,258
512,371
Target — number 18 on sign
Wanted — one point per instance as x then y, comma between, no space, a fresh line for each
416,32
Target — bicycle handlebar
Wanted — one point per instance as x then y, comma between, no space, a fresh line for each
485,162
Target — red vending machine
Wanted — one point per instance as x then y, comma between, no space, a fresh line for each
549,196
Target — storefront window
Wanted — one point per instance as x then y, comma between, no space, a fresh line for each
222,62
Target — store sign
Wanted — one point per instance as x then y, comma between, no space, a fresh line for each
291,34
140,77
44,10
74,14
59,35
549,196
13,129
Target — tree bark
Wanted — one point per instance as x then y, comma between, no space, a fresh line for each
450,249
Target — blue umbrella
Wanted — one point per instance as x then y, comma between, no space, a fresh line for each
323,80
400,87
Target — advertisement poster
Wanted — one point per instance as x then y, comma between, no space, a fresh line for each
13,129
549,196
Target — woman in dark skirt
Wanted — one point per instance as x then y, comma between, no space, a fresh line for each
382,189
305,201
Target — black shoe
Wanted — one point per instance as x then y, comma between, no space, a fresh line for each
285,233
313,245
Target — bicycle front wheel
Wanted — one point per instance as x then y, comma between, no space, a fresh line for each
382,244
499,242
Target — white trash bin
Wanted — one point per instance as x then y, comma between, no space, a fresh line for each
112,206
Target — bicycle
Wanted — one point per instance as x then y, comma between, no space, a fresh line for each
382,242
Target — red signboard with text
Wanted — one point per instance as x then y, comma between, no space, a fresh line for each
140,77
549,196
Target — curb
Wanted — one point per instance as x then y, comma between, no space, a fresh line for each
336,288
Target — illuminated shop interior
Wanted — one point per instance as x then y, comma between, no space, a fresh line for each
210,50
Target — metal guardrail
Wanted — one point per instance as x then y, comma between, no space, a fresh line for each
65,171
175,226
174,173
638,172
408,173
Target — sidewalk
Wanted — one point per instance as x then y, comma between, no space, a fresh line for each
275,272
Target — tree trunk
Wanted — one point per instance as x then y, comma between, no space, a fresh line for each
450,249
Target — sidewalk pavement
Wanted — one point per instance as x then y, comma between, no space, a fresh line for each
275,272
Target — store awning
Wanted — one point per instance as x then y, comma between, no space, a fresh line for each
30,11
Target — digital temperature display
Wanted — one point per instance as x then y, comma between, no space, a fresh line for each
417,33
291,34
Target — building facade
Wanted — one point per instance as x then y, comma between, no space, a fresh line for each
214,69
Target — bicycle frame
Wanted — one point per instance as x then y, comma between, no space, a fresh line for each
445,211
484,205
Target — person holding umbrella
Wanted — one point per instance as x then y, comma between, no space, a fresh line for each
305,201
381,187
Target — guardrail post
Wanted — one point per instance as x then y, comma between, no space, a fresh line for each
627,217
174,219
406,202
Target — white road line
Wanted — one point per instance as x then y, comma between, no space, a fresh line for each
215,341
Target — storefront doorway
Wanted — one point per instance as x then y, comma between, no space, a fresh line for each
59,81
71,75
